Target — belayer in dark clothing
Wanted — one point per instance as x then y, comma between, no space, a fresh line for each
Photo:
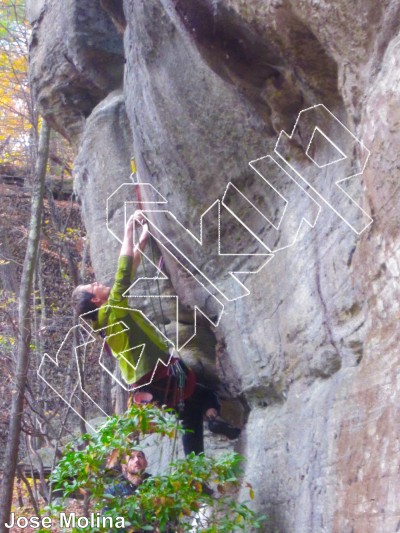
139,346
132,475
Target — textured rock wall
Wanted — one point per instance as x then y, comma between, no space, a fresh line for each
312,350
76,59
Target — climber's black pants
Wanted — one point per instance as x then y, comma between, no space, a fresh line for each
202,399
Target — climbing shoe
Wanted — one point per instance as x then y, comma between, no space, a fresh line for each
221,427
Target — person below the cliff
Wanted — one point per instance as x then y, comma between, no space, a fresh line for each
133,473
128,331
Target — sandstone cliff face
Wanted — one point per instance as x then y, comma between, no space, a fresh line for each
312,350
78,64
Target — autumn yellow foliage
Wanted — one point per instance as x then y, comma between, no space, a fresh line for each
16,112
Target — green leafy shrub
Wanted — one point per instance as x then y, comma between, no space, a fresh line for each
195,494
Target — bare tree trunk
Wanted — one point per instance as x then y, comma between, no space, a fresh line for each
44,489
8,276
105,387
64,246
40,345
29,490
121,396
24,330
81,354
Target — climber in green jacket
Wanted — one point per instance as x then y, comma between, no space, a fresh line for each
126,329
137,345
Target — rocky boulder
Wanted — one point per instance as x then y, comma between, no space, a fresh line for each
76,59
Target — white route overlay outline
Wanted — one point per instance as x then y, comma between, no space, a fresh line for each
56,362
160,199
339,181
277,227
199,240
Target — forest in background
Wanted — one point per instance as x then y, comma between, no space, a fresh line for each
58,266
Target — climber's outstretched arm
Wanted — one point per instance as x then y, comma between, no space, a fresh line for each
128,247
141,244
